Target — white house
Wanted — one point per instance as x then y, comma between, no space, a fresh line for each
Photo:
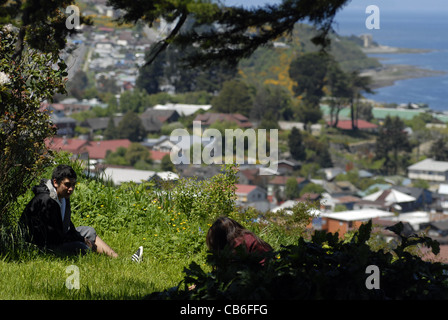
183,109
429,170
123,175
252,196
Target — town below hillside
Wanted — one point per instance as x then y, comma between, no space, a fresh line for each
353,166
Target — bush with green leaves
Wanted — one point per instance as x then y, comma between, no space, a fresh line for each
324,268
25,82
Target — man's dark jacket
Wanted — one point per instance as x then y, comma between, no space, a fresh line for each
42,220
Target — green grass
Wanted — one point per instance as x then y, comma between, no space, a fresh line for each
43,276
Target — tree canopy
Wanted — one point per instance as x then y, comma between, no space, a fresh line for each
223,33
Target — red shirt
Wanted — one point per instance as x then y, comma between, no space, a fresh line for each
252,245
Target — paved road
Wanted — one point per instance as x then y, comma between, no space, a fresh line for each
75,59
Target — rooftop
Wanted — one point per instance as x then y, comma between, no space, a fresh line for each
430,165
357,215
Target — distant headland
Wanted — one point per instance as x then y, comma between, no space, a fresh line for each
387,74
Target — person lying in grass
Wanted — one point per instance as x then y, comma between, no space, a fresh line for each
226,232
47,223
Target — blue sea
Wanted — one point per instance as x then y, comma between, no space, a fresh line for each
407,29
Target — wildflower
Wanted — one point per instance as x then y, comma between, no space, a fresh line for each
155,235
8,29
159,207
4,78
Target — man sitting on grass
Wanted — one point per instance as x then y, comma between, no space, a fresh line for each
47,218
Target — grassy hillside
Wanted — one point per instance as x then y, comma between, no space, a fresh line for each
171,224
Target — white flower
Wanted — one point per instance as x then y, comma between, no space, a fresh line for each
8,28
4,78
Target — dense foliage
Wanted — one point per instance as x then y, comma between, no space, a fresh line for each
324,268
25,82
241,30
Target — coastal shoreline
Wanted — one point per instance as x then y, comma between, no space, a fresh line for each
387,49
388,74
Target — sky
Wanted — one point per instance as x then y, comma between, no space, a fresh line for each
390,5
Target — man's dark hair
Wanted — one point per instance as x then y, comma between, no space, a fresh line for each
63,171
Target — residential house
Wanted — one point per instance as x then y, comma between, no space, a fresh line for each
388,200
249,176
97,150
164,143
122,175
331,173
66,107
441,198
417,220
315,128
85,149
362,125
198,172
99,124
65,126
310,197
285,167
183,109
151,124
157,156
252,196
437,230
329,202
163,116
423,197
289,204
209,118
181,145
74,146
276,186
345,221
429,170
340,188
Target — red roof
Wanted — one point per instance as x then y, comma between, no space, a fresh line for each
157,155
362,124
281,180
98,149
95,149
210,118
62,144
244,188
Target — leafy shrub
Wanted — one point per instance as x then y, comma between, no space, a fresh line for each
323,268
24,83
171,221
